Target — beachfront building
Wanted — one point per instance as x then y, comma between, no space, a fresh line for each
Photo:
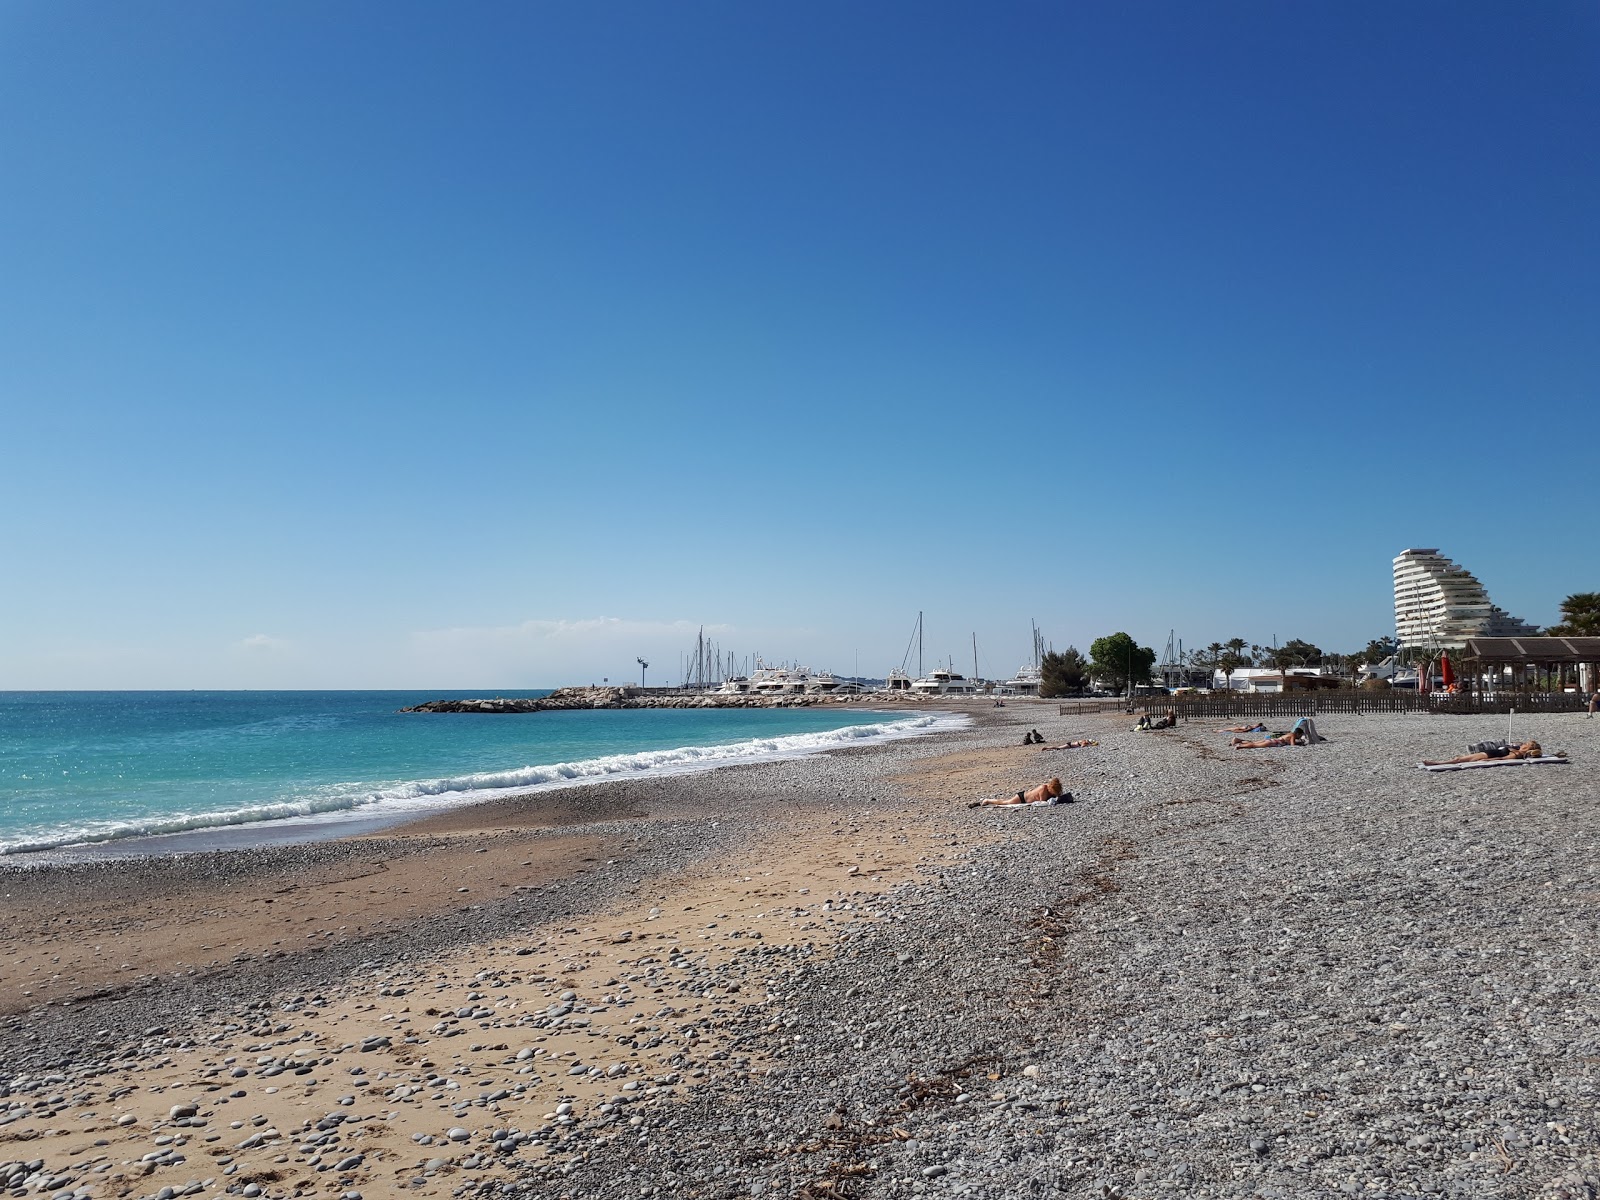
1271,679
1439,604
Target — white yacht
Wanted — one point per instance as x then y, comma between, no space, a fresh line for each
1024,683
943,683
775,681
1387,669
735,685
785,681
822,681
898,681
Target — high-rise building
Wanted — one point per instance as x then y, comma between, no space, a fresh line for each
1440,605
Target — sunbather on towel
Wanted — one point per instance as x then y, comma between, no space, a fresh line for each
1046,793
1167,720
1071,745
1258,727
1295,737
1526,750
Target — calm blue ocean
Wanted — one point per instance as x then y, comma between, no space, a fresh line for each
94,767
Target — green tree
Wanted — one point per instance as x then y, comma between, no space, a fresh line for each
1114,656
1296,653
1233,657
1580,616
1063,674
1377,650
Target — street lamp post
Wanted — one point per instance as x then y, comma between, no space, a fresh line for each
643,667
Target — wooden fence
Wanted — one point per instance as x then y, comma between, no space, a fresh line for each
1312,704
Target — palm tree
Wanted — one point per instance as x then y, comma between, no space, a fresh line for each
1233,658
1580,616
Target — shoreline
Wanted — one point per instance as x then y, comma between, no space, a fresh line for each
513,843
362,820
828,975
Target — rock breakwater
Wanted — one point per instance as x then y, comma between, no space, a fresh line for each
627,697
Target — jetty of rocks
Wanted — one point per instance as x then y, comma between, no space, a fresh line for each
630,697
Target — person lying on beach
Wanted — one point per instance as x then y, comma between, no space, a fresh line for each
1295,737
1070,745
1046,793
1258,727
1526,750
1168,720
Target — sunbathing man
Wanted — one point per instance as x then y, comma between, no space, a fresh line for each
1045,793
1258,727
1526,750
1071,745
1295,737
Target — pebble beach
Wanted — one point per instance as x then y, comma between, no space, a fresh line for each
1294,972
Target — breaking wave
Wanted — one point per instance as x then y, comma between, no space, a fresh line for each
416,796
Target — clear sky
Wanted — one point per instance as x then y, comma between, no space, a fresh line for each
494,345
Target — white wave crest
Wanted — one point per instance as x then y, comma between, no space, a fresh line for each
425,794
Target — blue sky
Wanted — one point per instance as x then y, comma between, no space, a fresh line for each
496,344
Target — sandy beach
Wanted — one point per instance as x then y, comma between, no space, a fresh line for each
1290,972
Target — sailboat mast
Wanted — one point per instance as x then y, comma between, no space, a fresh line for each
974,657
919,643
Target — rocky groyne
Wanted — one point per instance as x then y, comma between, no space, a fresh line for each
629,697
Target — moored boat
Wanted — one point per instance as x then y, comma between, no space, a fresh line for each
943,683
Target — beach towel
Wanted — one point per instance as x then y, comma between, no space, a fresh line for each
1309,727
1494,762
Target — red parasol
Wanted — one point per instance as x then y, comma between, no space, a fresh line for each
1447,672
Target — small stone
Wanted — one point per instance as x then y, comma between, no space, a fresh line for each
457,1134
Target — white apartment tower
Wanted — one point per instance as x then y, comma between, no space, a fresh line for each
1440,605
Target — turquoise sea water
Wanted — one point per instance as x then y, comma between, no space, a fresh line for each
95,767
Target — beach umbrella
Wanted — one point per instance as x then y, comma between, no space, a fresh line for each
1447,672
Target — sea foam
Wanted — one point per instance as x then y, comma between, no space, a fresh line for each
424,795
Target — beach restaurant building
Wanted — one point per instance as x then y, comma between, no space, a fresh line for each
1514,659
